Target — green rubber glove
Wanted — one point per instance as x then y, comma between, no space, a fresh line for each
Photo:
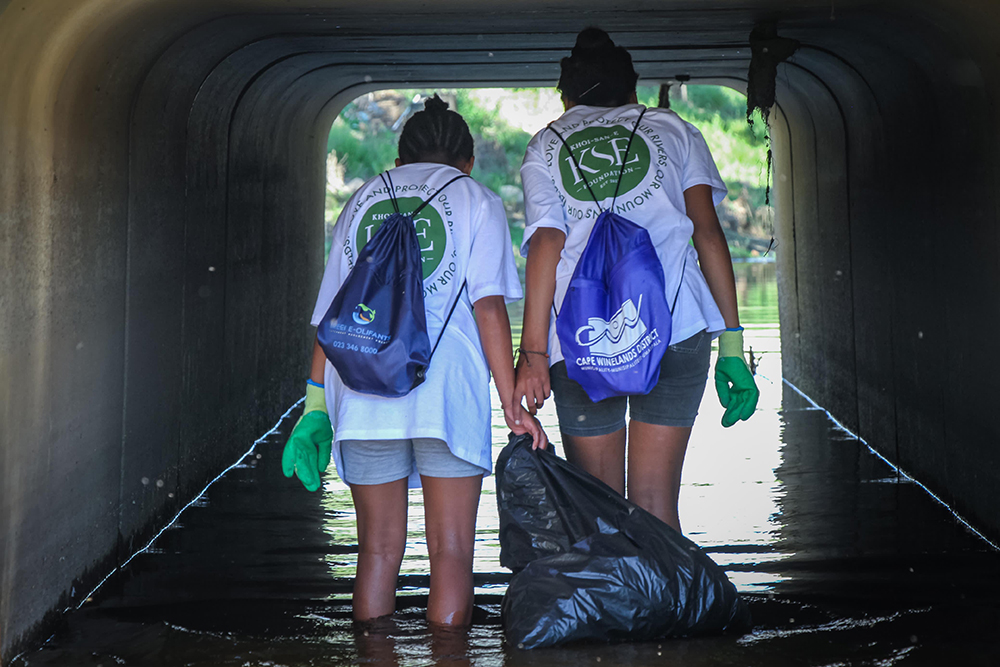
307,452
734,383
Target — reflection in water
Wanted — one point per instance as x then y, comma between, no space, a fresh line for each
843,563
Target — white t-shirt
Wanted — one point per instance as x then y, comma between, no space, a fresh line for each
667,156
463,236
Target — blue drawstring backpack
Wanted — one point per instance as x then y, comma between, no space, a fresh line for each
614,325
375,331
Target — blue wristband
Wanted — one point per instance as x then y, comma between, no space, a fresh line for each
315,384
734,328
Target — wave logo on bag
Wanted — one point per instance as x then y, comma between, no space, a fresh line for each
616,336
363,314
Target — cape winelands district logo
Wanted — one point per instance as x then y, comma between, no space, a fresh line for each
620,334
363,314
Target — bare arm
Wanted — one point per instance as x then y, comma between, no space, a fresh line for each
318,367
494,332
713,251
540,289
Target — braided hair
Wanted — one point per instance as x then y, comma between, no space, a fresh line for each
436,135
597,73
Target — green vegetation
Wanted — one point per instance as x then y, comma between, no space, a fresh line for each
721,115
363,142
499,146
362,153
739,150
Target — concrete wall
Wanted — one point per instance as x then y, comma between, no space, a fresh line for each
887,187
161,193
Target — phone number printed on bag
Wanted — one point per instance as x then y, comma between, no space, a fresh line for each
359,332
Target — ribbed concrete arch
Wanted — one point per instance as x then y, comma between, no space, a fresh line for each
161,205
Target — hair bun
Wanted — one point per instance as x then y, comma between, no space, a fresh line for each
435,104
598,73
592,40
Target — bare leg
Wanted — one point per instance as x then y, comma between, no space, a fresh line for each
450,646
375,643
450,506
655,459
381,511
603,456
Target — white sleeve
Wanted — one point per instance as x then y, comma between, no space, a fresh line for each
700,169
492,271
336,264
543,206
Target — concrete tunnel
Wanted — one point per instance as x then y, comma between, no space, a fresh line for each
161,206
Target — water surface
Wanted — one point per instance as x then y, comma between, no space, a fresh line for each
844,562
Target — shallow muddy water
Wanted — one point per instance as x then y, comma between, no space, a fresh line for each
843,561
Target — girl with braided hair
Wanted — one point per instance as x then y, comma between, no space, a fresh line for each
437,436
666,182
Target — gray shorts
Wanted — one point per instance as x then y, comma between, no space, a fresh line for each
382,461
673,401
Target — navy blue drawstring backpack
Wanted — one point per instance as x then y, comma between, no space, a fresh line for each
375,331
614,325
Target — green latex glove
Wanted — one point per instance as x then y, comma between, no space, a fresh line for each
307,452
734,382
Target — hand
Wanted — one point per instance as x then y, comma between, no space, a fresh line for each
520,422
531,381
307,452
734,382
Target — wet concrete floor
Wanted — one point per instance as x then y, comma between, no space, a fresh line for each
843,561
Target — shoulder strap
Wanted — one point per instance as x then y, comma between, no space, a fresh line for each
391,188
439,191
628,146
447,319
392,191
458,296
418,209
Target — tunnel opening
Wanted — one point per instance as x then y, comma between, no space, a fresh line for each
362,143
363,137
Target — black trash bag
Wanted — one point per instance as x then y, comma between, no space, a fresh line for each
589,564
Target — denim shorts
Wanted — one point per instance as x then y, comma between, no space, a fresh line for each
673,401
382,461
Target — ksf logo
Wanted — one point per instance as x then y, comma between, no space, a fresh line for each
432,234
600,156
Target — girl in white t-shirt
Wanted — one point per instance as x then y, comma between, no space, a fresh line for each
437,436
670,186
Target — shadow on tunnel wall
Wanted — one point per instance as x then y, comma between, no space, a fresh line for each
886,183
854,533
161,185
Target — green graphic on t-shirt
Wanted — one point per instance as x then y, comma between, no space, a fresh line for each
431,234
599,151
